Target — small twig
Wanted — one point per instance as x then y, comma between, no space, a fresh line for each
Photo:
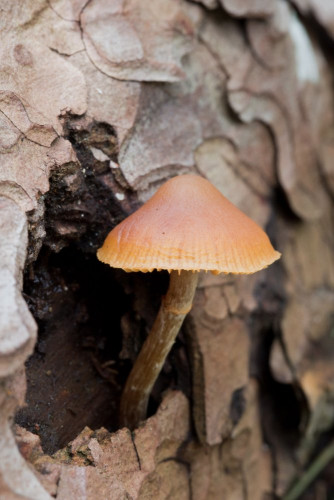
319,463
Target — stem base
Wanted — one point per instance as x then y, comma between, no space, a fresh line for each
174,307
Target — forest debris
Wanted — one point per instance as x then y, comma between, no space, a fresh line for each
318,465
124,464
81,440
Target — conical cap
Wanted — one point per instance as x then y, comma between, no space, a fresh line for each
188,225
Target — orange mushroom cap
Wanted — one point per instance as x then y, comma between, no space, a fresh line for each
188,225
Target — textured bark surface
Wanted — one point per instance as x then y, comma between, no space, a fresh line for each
100,103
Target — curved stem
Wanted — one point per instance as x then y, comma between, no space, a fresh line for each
174,307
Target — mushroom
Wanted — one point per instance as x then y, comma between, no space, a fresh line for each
187,226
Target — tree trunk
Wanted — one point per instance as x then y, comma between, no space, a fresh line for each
101,102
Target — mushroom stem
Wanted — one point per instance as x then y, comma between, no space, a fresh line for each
174,308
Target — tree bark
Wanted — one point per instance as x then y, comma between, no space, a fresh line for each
101,102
